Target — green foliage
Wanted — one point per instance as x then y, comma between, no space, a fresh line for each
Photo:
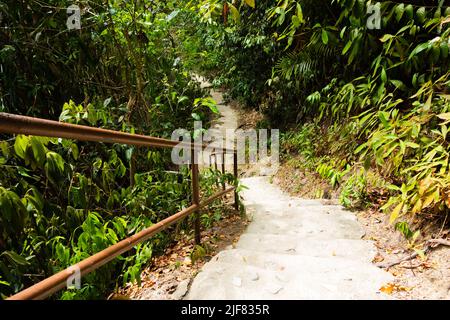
66,209
354,190
352,98
62,200
197,253
376,99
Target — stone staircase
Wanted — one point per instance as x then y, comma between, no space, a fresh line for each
292,249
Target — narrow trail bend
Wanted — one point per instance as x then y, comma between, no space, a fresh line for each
293,248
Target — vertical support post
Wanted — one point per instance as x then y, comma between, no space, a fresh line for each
216,169
133,167
223,169
235,171
215,161
195,194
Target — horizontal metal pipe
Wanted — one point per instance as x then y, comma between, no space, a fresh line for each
58,281
15,124
216,196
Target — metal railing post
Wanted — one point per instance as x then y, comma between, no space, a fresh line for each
196,194
223,170
235,171
215,161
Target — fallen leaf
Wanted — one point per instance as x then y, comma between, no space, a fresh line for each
390,288
378,258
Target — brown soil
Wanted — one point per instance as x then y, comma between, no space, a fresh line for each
417,278
302,182
247,119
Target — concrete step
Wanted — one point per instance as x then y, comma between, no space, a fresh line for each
305,212
239,281
287,244
280,208
332,267
308,226
287,202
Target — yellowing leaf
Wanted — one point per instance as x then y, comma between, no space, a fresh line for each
251,3
424,185
428,200
417,207
396,212
235,13
421,253
387,288
390,287
427,104
387,37
444,116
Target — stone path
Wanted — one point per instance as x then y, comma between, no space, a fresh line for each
292,249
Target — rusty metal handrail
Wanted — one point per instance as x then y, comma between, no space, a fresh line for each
15,124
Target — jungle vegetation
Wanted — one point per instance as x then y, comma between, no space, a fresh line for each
366,106
362,98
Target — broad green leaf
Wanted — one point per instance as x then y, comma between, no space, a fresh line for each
421,47
387,37
347,47
295,21
74,150
4,148
399,9
39,150
421,14
300,13
324,36
15,258
383,75
20,145
54,167
382,117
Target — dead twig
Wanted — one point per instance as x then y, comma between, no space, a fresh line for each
394,263
440,242
431,244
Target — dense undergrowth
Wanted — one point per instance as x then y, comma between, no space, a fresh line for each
364,106
61,200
